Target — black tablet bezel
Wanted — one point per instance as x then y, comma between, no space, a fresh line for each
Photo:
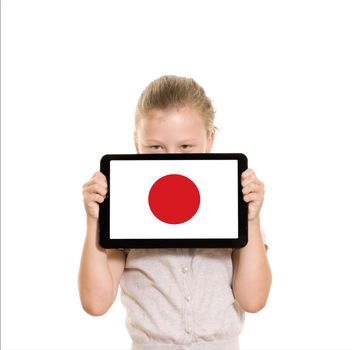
104,208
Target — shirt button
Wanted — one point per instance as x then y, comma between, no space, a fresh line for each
188,298
184,269
188,330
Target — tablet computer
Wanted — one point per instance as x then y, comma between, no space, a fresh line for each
191,200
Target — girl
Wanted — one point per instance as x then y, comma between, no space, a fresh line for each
176,299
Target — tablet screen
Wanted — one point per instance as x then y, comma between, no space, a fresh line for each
169,199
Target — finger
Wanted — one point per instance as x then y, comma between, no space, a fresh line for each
252,187
99,175
249,180
94,197
95,180
98,198
253,197
95,188
247,173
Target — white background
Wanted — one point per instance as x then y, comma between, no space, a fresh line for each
131,181
280,75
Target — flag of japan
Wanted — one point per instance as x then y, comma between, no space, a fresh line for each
160,199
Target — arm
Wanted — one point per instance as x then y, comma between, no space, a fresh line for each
252,274
100,270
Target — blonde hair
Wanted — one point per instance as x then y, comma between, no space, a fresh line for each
170,91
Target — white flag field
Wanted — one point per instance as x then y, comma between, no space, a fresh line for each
161,199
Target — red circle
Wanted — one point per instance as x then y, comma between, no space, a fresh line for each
174,199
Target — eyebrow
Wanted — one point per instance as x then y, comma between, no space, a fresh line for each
189,140
153,141
183,141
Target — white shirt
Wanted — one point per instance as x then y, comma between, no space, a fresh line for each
181,299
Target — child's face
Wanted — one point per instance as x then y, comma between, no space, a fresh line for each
173,131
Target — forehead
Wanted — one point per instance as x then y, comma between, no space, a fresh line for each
184,119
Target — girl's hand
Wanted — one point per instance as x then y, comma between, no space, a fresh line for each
94,192
253,193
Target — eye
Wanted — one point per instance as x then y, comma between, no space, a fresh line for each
155,147
186,147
